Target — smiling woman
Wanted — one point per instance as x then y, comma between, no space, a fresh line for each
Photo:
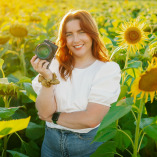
89,83
86,26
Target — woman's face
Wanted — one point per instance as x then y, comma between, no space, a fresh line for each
78,42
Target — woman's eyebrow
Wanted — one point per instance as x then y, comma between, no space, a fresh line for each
67,32
71,32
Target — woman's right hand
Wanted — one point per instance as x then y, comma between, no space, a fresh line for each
41,67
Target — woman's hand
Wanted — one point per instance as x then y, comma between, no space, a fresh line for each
41,67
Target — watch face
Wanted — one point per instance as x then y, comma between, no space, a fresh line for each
55,116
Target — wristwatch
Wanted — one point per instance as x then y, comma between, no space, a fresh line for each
55,117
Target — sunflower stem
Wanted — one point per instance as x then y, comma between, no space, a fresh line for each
140,142
125,66
2,73
134,114
22,58
23,62
19,137
5,147
126,60
136,142
6,102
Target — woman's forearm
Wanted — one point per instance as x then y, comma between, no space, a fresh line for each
45,102
89,118
76,120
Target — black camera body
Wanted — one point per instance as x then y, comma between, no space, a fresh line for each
46,50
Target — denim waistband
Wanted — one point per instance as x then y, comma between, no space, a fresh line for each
60,130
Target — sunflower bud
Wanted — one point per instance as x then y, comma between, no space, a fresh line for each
35,18
154,51
9,89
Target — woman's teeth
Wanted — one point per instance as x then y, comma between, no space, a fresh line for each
78,46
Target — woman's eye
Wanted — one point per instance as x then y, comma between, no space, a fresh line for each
69,34
82,32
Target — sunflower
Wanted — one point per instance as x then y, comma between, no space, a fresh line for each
18,30
146,83
4,39
132,35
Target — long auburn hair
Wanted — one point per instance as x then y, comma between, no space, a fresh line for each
88,25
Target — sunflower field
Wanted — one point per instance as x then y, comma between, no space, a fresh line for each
129,31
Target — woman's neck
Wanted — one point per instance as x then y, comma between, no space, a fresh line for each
84,63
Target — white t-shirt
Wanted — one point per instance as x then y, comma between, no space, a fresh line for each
98,83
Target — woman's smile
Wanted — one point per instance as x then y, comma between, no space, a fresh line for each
78,47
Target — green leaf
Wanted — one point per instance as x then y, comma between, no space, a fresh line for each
16,154
8,127
134,64
123,92
127,122
151,131
34,131
108,149
4,50
12,78
133,68
149,126
115,112
29,91
31,149
50,24
106,134
7,112
153,44
20,76
122,140
5,131
116,50
147,121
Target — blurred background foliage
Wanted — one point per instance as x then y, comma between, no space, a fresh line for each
24,24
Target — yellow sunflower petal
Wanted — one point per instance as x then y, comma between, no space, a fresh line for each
152,96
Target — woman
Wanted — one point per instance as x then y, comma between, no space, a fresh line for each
89,83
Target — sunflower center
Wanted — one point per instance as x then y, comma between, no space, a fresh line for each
133,35
148,81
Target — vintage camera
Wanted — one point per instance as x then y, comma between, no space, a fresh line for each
46,50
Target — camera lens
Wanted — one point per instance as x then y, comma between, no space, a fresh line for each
43,51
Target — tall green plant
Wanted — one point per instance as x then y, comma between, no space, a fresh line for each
7,92
132,138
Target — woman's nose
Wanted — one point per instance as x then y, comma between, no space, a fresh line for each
76,38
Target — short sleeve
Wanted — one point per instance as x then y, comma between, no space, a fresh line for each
36,85
105,87
53,67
